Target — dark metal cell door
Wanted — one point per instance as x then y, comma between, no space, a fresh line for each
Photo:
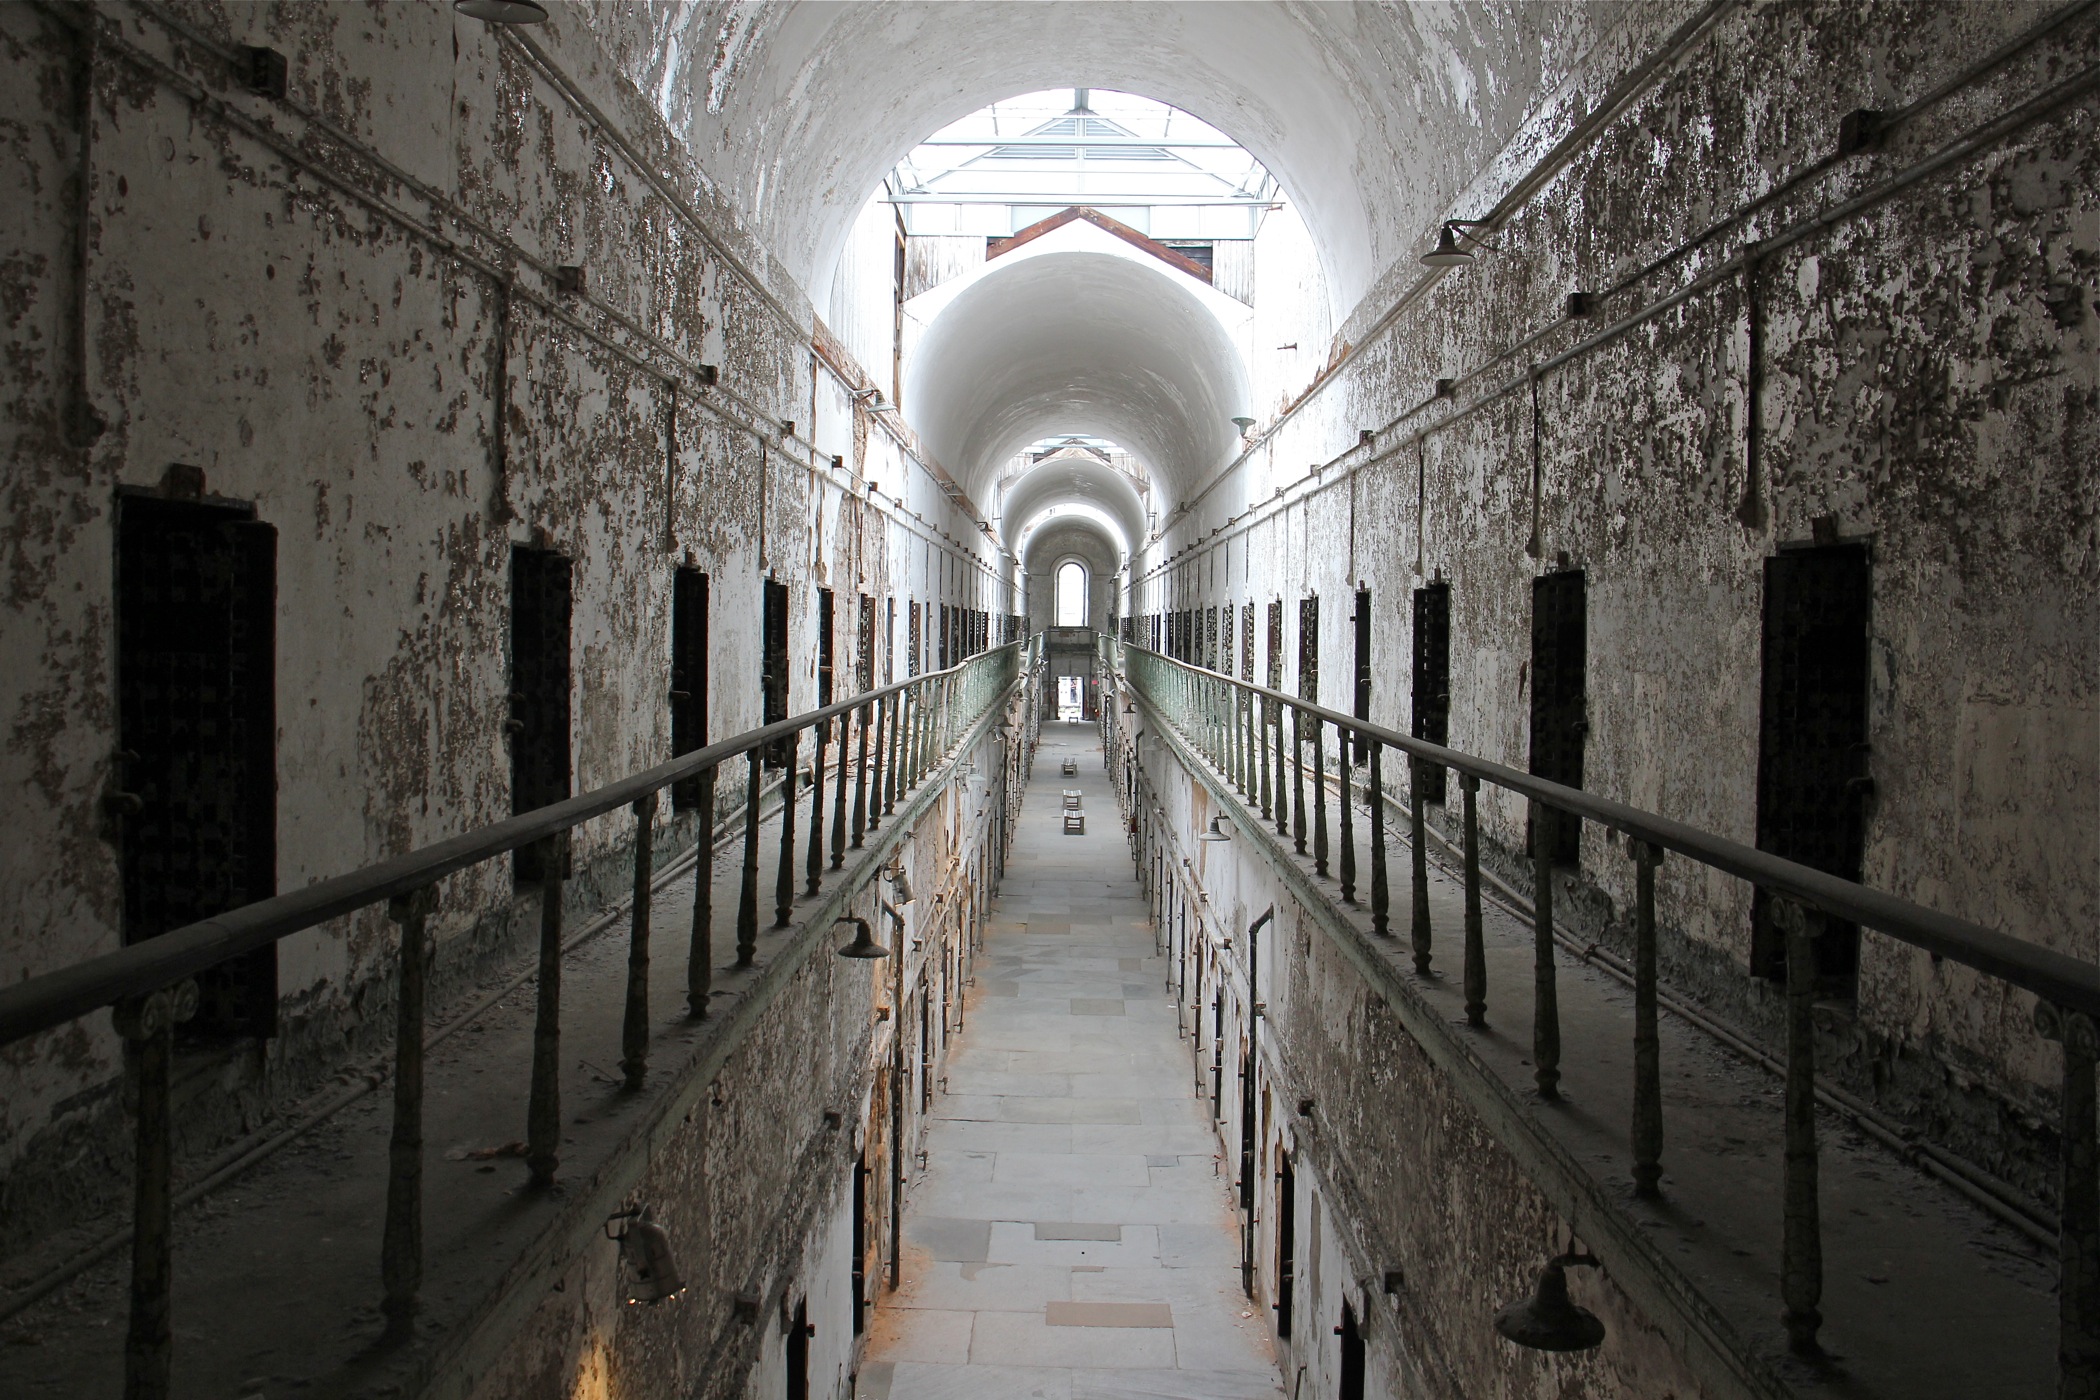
1286,1242
1361,704
773,665
689,667
1560,691
539,687
1432,677
1812,784
799,1332
197,736
1351,1386
827,642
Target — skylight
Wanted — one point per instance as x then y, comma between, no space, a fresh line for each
1149,165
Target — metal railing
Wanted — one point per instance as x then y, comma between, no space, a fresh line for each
895,737
1257,740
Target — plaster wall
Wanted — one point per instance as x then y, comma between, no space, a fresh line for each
1928,381
341,306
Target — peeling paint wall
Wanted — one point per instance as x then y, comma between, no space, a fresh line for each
343,307
1929,380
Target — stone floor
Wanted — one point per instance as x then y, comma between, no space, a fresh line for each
1071,1235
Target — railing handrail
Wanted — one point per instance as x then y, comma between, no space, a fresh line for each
2068,983
54,998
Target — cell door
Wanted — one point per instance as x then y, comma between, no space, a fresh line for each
689,665
1309,649
912,642
1812,784
1432,677
1362,700
799,1331
197,737
1286,1242
864,673
827,640
1351,1385
773,666
1560,692
540,605
860,1243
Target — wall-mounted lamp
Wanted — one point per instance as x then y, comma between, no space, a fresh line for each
1549,1320
872,398
1244,424
1447,253
648,1272
1217,831
863,944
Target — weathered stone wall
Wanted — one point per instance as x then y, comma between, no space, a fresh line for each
1395,1168
755,1181
342,306
1929,378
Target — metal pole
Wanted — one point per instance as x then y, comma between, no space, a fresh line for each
1418,833
401,1241
1381,892
747,892
543,1109
634,1028
1545,1003
700,954
147,1025
1801,1245
1476,977
1647,1044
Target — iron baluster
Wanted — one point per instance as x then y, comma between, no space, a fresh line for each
1381,892
895,704
1418,858
543,1109
1319,787
814,875
1298,779
2078,1230
747,891
1347,817
147,1025
1545,996
1801,1243
700,954
1476,976
1260,718
784,875
838,804
401,1239
1647,1044
634,1027
860,782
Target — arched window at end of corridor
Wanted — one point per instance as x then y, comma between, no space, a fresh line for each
1071,594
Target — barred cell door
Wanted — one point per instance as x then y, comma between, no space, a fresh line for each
1812,784
1560,691
539,688
1432,676
773,667
1309,649
197,736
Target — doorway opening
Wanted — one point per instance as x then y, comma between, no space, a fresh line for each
197,737
1071,696
1559,694
540,593
1812,783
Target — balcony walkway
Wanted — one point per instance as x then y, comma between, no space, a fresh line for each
1071,1236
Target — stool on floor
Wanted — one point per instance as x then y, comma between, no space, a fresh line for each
1070,768
1071,799
1075,823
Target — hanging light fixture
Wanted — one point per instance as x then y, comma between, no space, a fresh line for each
1216,832
900,881
1549,1320
1447,253
863,944
648,1272
1244,424
503,11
